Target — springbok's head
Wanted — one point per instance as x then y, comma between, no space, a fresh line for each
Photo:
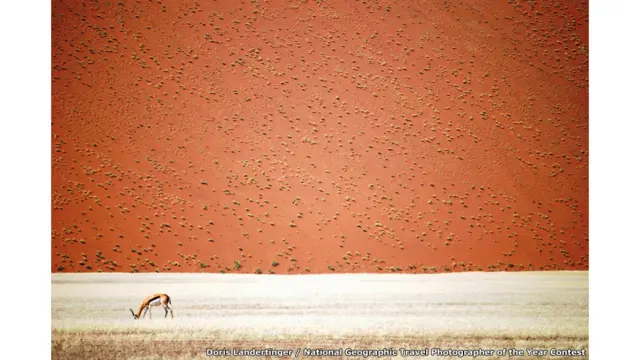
134,314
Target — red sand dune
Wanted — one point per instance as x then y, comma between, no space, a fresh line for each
346,136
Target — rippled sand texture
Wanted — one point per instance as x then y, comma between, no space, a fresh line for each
464,310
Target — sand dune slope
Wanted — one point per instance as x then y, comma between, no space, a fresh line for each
319,136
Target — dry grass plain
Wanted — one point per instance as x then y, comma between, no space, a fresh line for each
91,320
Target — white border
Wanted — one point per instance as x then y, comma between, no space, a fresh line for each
613,181
25,267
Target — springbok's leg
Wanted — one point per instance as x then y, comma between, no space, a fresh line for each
166,311
144,313
149,312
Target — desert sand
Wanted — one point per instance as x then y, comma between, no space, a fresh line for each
228,136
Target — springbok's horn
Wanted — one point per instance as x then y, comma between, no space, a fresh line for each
134,314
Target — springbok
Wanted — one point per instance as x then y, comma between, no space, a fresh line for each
154,300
